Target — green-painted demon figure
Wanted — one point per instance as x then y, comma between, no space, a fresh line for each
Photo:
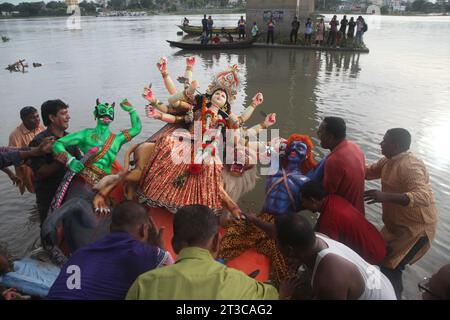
73,202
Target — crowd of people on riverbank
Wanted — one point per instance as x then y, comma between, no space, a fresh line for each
331,36
319,34
342,252
336,34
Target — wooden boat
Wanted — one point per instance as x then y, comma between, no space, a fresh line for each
197,30
194,44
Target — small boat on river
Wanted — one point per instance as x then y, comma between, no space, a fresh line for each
194,44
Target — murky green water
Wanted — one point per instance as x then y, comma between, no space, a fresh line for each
403,82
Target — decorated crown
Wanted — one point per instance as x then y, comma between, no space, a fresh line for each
228,81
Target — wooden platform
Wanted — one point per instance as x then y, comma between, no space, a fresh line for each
312,47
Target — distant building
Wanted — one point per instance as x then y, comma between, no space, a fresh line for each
9,13
282,13
345,6
373,9
397,6
102,3
379,3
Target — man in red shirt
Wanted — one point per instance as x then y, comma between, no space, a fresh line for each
344,170
344,223
216,39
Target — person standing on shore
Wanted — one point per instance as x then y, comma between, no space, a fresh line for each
210,27
343,28
308,32
294,32
359,31
205,24
332,36
270,30
241,27
351,28
320,31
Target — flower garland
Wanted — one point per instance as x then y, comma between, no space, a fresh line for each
196,167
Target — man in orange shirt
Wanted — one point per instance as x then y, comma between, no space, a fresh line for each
20,138
344,170
409,209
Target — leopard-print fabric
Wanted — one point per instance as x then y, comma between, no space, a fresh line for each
242,235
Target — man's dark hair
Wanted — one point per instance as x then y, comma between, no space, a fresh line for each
313,190
51,107
401,137
336,127
127,215
26,111
295,230
194,225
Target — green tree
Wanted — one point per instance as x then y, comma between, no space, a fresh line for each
419,6
88,7
53,5
117,4
30,9
148,4
6,7
191,4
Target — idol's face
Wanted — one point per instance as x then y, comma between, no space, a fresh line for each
297,151
104,112
219,98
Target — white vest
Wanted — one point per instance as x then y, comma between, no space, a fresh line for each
376,285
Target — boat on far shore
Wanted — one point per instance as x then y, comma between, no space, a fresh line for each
197,30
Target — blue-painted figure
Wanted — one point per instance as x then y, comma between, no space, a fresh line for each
283,188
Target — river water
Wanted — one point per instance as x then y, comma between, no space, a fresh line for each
403,82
